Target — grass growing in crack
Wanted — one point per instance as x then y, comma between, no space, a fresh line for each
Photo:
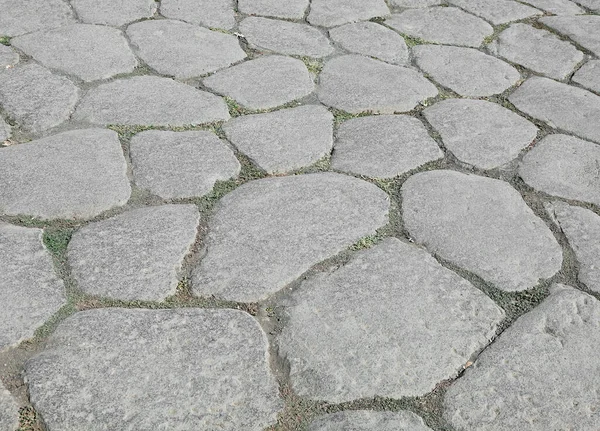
312,64
497,30
340,116
127,132
5,40
321,165
413,41
28,420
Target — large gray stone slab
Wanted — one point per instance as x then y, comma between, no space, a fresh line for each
447,25
290,9
181,164
284,140
540,374
75,174
589,75
30,290
391,323
9,411
331,13
185,369
482,225
87,51
368,421
113,12
583,29
35,97
208,13
383,146
557,7
263,83
267,233
593,5
560,106
497,11
5,131
8,57
480,133
25,16
150,100
356,84
183,50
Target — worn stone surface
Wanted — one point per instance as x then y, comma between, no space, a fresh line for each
208,13
480,133
181,164
416,3
372,316
155,369
383,146
266,233
356,84
593,5
497,11
8,57
369,420
291,9
183,50
583,29
75,174
482,225
540,374
589,75
150,100
30,290
4,131
113,12
25,16
557,7
284,140
9,411
331,13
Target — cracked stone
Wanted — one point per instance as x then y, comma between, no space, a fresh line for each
331,13
113,12
589,75
24,16
557,7
9,411
8,57
290,9
369,420
497,11
208,13
583,29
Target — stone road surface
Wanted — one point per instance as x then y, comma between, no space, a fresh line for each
280,215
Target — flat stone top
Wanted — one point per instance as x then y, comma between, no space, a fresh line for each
9,410
331,13
8,57
583,29
25,16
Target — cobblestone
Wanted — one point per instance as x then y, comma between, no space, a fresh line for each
8,57
589,76
113,12
208,13
497,11
331,13
583,29
290,9
9,412
25,16
368,420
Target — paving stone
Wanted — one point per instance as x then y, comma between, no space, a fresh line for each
29,288
181,164
373,40
267,233
290,9
391,323
497,11
564,166
589,75
383,146
466,71
8,57
25,16
88,51
9,411
135,255
538,50
584,29
540,374
35,97
208,13
4,131
356,84
183,50
448,25
557,7
593,5
150,100
75,174
331,13
416,3
285,37
113,12
480,133
284,140
482,225
263,83
560,106
155,369
369,420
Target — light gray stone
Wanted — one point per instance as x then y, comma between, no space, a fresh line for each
263,83
583,29
356,84
90,52
560,106
30,290
481,133
368,421
150,100
391,323
290,9
25,16
208,13
466,71
185,369
113,12
285,37
8,57
593,5
331,13
482,225
589,75
75,174
556,7
183,50
9,411
4,131
416,3
181,164
383,146
540,374
448,25
373,40
497,11
284,140
267,233
35,97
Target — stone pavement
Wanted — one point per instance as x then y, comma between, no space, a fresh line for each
320,215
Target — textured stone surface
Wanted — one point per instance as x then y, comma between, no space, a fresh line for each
183,50
416,3
150,100
480,133
284,140
331,13
8,57
373,40
482,225
113,12
266,233
368,421
355,84
208,13
369,320
540,374
263,83
155,369
25,16
9,411
4,131
589,75
383,146
585,30
75,174
87,51
36,98
557,7
497,11
593,5
291,9
30,290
